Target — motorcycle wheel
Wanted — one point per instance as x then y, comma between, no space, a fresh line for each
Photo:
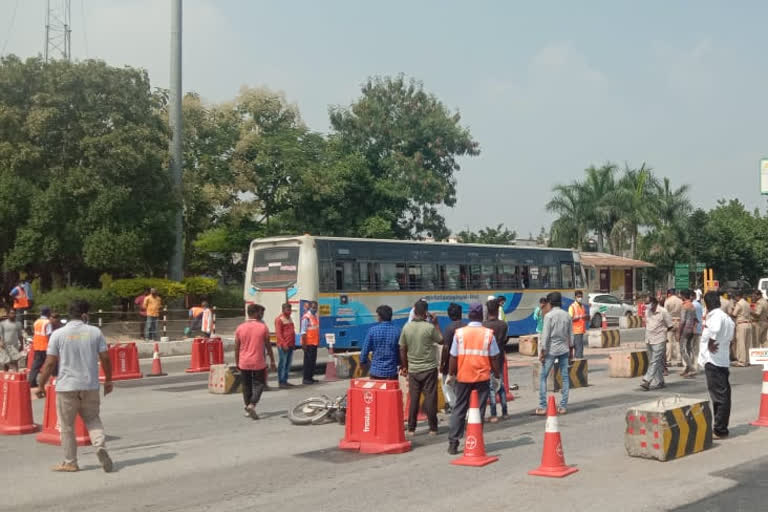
309,411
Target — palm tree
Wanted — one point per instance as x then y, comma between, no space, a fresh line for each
670,208
599,184
632,201
571,205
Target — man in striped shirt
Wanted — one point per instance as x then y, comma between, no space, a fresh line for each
383,340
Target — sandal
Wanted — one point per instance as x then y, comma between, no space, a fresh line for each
562,410
493,419
540,412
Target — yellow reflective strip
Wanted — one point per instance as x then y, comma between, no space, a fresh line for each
682,425
701,427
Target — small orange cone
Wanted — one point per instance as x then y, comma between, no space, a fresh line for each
604,325
474,446
552,458
157,366
330,367
762,420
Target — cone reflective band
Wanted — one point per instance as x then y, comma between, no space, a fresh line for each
474,444
157,366
552,457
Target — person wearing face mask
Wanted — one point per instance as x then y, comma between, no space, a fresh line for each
579,318
658,323
78,348
310,339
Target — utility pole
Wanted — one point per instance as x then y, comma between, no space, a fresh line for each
58,30
174,115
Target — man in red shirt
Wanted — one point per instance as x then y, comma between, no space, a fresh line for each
251,341
285,333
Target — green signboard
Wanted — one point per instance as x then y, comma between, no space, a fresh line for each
700,267
682,276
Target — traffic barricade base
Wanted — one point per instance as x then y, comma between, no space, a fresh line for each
374,420
628,364
528,345
51,431
224,380
16,410
578,375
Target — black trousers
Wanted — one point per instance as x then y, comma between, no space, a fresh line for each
720,392
423,383
254,382
459,413
310,360
37,365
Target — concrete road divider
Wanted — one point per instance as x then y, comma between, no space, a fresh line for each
528,345
348,366
224,379
578,375
630,322
125,362
604,338
51,432
16,408
669,428
628,364
374,422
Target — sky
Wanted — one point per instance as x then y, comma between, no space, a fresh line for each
547,88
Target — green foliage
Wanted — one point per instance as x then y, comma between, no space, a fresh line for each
59,300
200,285
130,288
230,297
488,235
106,281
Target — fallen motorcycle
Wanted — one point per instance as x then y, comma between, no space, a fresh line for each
318,410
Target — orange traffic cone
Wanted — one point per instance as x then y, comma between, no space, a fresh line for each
604,325
552,458
330,367
762,420
157,367
474,446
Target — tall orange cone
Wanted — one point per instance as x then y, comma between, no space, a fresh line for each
762,420
604,325
157,366
474,446
552,458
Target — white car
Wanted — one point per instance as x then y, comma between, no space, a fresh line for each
604,305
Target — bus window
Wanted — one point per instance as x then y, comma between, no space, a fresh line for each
346,277
453,277
367,276
391,276
525,276
327,276
507,276
414,277
567,274
275,267
429,280
489,278
579,276
548,277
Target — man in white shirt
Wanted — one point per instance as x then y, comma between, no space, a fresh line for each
714,356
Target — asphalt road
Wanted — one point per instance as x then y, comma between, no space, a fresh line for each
177,447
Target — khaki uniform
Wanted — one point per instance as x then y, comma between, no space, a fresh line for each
760,315
743,319
674,307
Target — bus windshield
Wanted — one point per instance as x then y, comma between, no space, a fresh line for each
275,267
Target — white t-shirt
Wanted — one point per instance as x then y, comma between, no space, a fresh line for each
720,328
77,346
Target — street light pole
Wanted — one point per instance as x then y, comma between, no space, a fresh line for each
175,149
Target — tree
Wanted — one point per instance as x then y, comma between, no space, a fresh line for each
571,204
631,200
410,144
597,189
488,235
84,146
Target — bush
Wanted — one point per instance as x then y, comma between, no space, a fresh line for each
230,297
130,288
59,300
200,285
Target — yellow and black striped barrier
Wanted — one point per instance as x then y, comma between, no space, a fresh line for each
348,366
603,338
577,375
224,379
628,364
668,429
630,322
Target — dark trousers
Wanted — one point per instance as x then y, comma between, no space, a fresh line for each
423,383
254,382
459,413
310,359
37,365
720,394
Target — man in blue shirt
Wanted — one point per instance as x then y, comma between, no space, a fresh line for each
383,340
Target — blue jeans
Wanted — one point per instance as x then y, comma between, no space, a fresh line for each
284,365
549,361
150,328
502,399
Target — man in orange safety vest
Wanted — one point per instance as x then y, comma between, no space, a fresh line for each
42,333
310,339
474,356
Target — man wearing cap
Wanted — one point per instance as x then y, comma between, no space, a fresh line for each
556,344
474,356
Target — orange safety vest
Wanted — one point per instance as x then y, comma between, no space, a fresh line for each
580,325
195,311
313,329
474,351
40,339
207,321
20,301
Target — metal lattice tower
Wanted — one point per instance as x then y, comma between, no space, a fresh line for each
58,30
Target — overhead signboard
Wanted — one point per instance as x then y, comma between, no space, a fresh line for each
682,276
764,176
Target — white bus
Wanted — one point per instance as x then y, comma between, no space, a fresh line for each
351,277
